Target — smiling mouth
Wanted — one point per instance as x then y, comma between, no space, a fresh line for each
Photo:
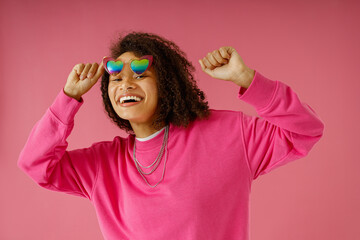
130,99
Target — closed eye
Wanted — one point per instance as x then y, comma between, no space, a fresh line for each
136,77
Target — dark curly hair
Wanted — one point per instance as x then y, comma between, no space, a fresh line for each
180,101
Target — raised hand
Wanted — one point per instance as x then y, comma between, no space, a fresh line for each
82,78
226,64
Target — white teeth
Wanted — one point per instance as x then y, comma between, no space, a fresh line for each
137,99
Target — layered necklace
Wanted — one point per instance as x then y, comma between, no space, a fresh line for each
157,161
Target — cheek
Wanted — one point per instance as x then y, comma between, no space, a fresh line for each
153,95
111,93
153,89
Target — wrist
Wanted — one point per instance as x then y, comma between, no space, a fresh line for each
78,98
246,78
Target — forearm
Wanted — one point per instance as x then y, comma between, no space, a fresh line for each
47,141
279,104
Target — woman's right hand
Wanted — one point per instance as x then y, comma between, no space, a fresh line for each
82,78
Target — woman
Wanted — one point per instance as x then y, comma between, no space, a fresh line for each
185,171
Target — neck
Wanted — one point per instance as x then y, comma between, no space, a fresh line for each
143,130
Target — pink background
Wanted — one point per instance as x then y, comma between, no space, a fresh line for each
313,46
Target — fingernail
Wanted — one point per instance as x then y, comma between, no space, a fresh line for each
82,77
89,75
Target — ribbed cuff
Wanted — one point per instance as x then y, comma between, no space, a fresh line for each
65,107
260,92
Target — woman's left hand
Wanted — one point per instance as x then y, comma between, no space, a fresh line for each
226,64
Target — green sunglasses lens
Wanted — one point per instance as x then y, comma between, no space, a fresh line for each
139,66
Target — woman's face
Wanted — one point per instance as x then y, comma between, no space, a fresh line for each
127,84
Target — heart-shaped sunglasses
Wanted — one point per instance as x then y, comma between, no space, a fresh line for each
138,66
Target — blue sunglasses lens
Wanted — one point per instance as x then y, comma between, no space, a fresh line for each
114,67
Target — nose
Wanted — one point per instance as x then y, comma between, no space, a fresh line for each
127,84
127,79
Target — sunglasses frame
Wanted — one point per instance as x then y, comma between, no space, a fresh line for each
108,59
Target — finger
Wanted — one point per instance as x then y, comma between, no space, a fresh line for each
225,52
92,70
79,68
201,64
100,71
85,71
219,58
206,70
73,74
212,60
207,63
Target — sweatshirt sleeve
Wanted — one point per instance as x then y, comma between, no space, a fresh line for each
286,130
44,157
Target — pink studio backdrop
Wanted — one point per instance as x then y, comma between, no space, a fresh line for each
313,46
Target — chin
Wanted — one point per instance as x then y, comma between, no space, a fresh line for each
134,118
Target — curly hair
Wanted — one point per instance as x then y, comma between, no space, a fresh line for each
180,101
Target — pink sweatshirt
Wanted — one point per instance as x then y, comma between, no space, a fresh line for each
209,169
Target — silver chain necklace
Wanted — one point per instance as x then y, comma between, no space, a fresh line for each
157,160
